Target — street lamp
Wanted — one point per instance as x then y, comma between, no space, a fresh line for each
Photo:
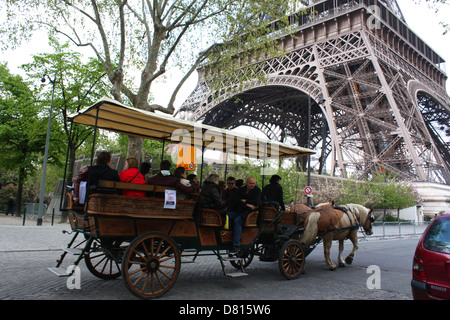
321,101
47,141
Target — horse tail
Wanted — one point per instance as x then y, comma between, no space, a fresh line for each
311,229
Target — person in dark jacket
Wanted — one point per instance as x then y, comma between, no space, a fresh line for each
210,195
11,204
248,199
165,178
101,171
231,188
273,192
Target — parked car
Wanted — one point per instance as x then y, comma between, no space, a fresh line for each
431,264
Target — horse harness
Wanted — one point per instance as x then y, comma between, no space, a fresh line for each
355,225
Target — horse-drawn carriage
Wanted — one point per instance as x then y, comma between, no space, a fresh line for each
144,241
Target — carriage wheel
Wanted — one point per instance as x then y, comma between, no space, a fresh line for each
151,265
291,259
247,258
103,259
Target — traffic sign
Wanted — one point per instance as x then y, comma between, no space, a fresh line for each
308,190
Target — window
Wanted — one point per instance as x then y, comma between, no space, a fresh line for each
438,236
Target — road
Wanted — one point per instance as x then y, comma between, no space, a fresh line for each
26,252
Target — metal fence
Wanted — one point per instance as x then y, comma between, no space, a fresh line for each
31,212
383,229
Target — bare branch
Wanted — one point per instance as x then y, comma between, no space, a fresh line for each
203,55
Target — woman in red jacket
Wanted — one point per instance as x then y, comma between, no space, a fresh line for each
131,174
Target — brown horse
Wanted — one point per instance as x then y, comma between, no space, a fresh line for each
303,211
331,223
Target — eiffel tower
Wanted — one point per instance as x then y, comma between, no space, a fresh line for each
372,90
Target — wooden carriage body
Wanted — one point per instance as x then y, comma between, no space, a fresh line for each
111,215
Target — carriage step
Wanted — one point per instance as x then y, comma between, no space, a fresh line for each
74,251
233,258
60,272
236,274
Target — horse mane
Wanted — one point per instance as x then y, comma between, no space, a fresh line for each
360,212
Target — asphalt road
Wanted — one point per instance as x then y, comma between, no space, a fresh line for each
26,252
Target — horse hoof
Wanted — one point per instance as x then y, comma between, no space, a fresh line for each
348,260
341,265
332,268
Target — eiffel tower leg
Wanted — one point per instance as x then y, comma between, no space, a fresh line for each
395,109
336,152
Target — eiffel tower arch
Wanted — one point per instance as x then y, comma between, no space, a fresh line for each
374,93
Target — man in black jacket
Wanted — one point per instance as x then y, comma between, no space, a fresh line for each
100,171
248,200
273,192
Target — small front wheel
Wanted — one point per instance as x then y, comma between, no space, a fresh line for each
291,259
151,265
247,258
102,258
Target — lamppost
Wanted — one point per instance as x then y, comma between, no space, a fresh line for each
308,196
47,141
320,102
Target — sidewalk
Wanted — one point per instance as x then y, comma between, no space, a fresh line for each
29,220
16,237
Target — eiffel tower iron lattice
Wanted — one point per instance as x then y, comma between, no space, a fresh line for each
377,93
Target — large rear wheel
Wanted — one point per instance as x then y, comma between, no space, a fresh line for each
151,265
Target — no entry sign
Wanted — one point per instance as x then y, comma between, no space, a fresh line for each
308,190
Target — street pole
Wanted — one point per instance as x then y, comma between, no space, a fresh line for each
47,141
308,198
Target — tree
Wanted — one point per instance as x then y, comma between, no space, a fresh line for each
22,129
381,191
126,36
78,84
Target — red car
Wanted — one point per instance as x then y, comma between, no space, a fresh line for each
431,264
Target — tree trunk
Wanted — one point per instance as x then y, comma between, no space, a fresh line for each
135,148
19,193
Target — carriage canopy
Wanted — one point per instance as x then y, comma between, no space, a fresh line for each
113,116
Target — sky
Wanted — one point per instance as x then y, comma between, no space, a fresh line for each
421,19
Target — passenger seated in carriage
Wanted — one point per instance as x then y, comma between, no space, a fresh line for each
193,180
144,169
165,178
231,188
210,197
248,199
181,174
131,174
273,192
92,175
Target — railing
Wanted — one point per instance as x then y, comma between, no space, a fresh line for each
398,229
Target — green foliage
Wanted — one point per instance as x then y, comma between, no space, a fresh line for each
22,128
292,181
78,83
380,192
